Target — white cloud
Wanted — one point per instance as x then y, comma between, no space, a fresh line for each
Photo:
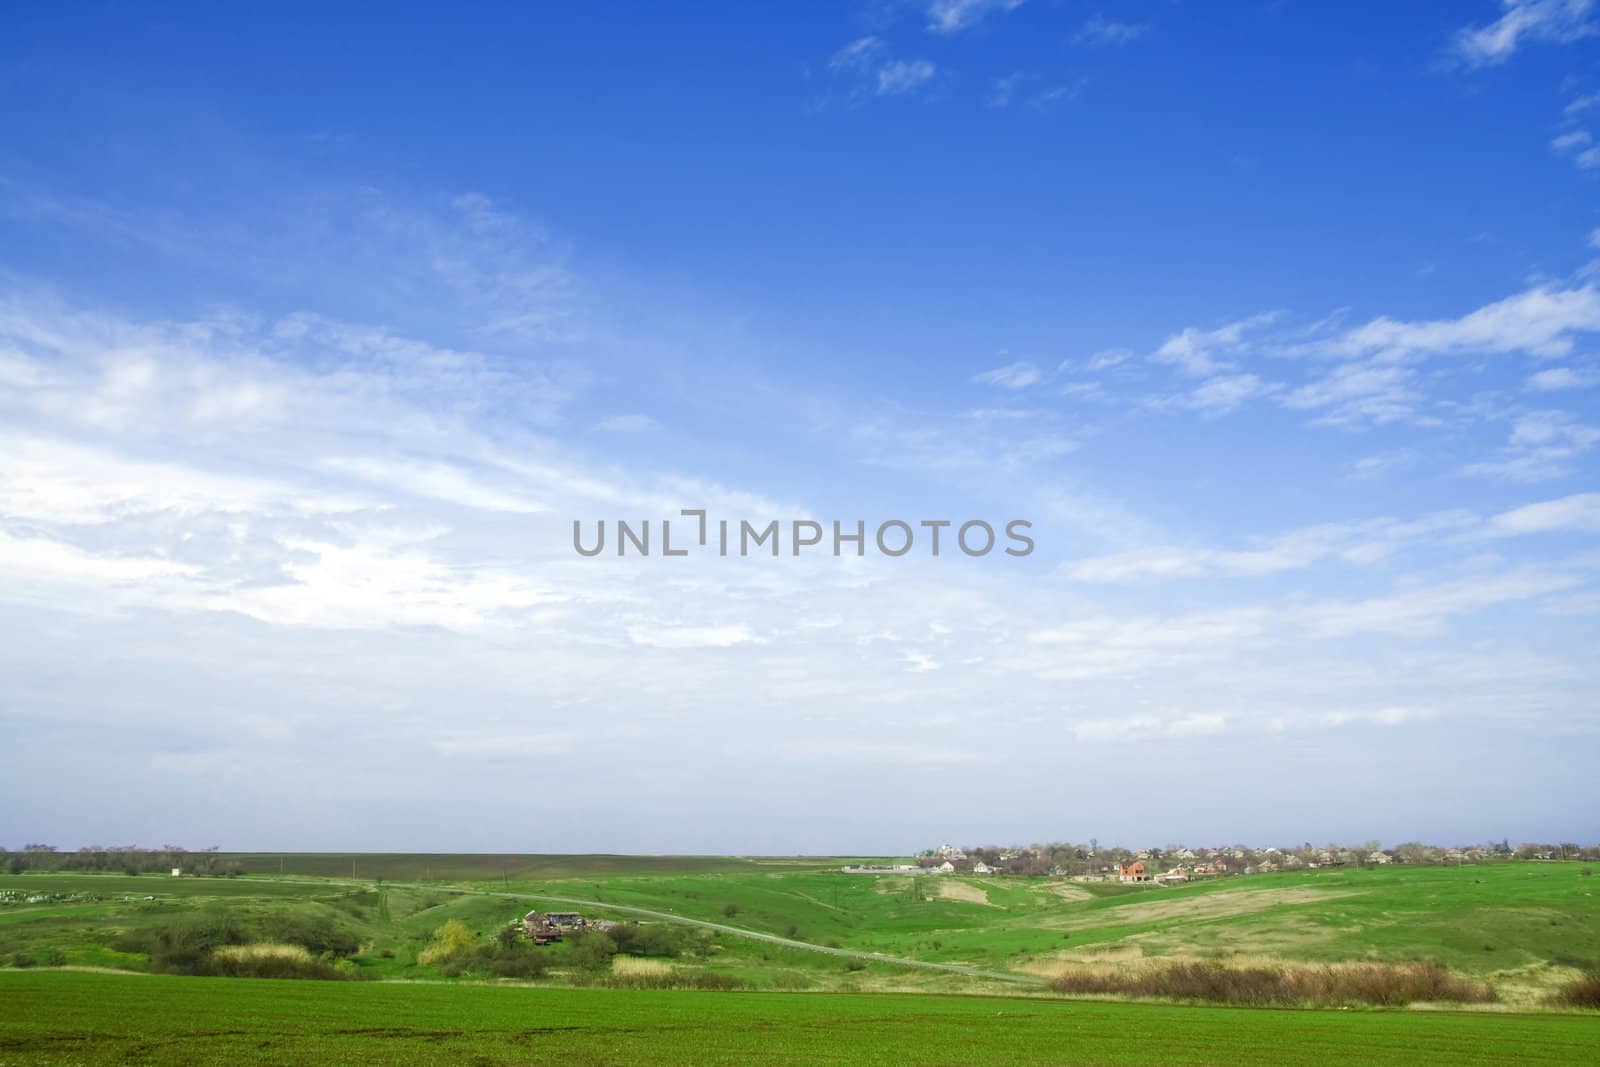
1003,89
858,55
675,636
1557,379
1539,321
627,423
1524,21
1566,142
1146,727
1421,610
1360,391
1358,543
1542,446
1018,375
1381,464
1101,31
434,480
1107,358
1196,352
1581,103
903,75
953,16
1225,393
1578,513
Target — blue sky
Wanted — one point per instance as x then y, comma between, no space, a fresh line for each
1278,321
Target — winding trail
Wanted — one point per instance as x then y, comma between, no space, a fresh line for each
774,939
704,924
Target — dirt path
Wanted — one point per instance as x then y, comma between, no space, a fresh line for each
721,928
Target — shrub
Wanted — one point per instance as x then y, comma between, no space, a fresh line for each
591,950
525,964
658,939
316,933
675,978
450,942
272,961
184,944
1580,992
1364,983
22,959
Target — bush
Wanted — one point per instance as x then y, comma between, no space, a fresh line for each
658,939
184,945
1580,992
22,959
676,978
450,942
591,950
274,965
1364,983
524,964
316,933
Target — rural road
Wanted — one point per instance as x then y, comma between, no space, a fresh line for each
721,928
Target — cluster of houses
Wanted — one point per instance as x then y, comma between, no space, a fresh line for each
1182,864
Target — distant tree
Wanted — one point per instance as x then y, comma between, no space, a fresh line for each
451,940
592,950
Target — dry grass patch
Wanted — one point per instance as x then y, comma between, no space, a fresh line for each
1069,893
963,891
633,966
1201,906
263,951
1383,984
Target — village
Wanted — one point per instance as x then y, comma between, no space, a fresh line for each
1178,864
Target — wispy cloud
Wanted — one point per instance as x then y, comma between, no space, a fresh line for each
1542,321
867,63
953,16
901,76
1017,375
1099,31
627,423
1201,352
1543,445
1557,379
1524,22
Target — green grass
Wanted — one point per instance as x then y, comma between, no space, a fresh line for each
1523,926
1482,919
65,1017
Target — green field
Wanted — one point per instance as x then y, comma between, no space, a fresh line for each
66,1018
772,929
1522,926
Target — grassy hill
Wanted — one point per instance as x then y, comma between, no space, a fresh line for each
1524,926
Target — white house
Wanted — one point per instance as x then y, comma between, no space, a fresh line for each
982,868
